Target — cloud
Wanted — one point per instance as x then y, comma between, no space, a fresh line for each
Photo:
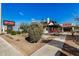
21,13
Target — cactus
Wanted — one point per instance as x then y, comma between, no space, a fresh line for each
35,31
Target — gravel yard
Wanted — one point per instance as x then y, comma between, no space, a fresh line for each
70,46
19,42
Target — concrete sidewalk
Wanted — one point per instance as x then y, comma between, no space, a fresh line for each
50,50
7,50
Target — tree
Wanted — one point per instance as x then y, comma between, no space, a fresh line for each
24,27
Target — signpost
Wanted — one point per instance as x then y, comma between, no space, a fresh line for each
9,25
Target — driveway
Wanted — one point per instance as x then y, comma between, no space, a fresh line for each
51,48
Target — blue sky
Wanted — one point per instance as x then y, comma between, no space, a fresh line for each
24,12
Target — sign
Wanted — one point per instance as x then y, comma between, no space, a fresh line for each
66,25
11,23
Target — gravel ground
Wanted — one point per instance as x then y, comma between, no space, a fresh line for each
18,42
70,46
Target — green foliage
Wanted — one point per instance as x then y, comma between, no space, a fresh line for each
13,32
24,27
18,32
8,31
35,31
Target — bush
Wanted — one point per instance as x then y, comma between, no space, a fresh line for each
18,32
13,32
8,31
34,32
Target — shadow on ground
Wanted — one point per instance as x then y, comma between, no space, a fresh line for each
65,47
59,53
74,38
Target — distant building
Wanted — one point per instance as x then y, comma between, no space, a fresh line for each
50,26
66,27
69,27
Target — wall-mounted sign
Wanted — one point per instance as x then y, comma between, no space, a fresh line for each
11,23
67,25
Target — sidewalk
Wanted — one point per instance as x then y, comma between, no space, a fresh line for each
50,50
7,50
22,45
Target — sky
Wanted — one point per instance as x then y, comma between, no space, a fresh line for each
25,12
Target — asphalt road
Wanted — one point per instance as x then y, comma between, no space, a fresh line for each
7,50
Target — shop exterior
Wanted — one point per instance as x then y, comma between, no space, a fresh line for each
68,27
52,27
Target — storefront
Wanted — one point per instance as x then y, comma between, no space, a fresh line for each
67,27
53,27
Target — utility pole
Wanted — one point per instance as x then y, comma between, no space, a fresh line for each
0,20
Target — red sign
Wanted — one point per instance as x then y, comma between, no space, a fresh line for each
9,23
67,25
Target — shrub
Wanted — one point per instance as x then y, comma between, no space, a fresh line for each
34,32
18,32
8,31
13,32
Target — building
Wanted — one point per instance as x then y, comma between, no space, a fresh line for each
68,27
50,26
